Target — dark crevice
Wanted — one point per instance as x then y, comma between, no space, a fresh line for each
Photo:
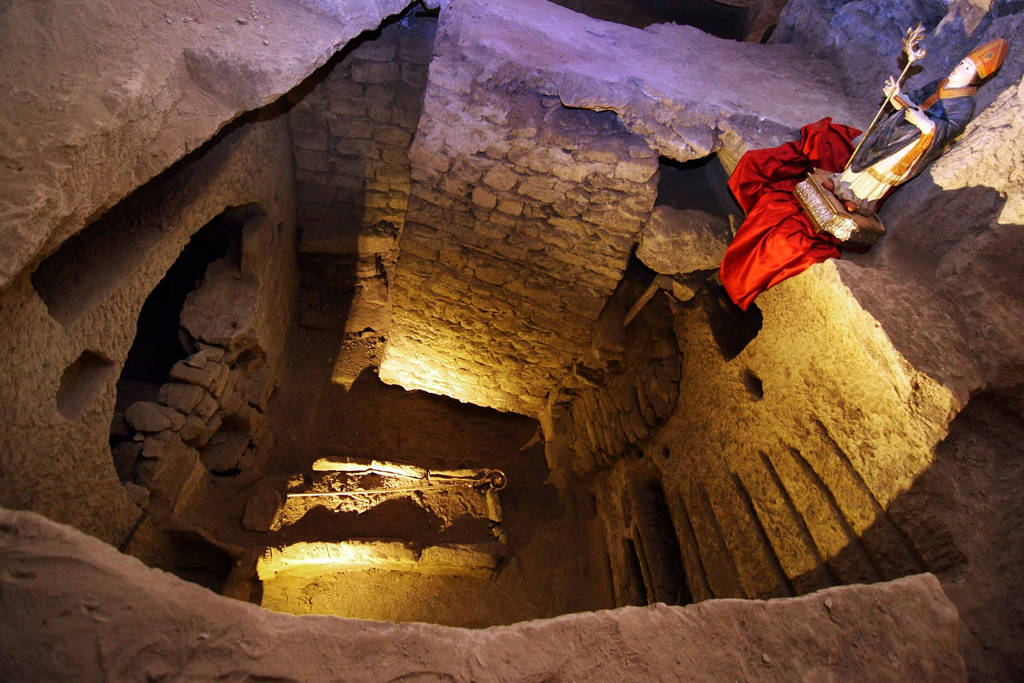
754,385
732,328
655,536
701,184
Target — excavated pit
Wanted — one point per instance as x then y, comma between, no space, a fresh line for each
435,335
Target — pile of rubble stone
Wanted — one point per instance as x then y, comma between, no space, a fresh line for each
210,417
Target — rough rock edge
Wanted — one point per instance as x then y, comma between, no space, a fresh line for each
142,621
163,95
689,94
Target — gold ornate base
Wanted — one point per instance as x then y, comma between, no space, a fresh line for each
828,215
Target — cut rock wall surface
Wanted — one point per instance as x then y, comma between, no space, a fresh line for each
55,458
780,469
101,97
146,623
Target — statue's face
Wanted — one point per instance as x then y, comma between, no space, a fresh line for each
962,74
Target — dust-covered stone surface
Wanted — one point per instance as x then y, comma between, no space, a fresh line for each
687,93
80,596
85,303
136,89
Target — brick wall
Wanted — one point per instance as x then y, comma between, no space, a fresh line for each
522,217
351,130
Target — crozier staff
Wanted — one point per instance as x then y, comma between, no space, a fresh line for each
917,132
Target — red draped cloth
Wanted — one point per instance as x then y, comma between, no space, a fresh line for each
777,240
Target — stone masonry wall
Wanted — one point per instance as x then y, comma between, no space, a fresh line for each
521,220
351,130
619,391
782,472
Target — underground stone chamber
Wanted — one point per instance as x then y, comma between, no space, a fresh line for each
433,333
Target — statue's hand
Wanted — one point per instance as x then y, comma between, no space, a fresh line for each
921,120
891,88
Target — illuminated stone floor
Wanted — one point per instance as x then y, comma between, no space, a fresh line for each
332,405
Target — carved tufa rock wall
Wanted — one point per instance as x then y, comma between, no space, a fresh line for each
139,88
76,322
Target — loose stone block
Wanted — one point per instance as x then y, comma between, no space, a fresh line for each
224,450
206,407
180,396
165,444
683,241
192,428
145,416
202,377
262,509
172,480
209,429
